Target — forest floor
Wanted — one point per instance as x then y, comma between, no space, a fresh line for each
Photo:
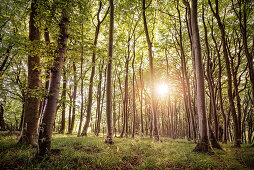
71,152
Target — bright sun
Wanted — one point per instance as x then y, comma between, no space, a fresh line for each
162,89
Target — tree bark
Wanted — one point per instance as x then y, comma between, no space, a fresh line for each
82,88
48,117
141,96
109,70
126,96
2,123
133,92
114,107
70,106
229,75
90,91
186,93
150,53
98,110
74,98
29,133
63,100
210,81
242,16
203,144
220,89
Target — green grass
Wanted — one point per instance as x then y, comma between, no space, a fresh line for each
70,152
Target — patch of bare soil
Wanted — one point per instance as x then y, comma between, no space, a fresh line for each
90,149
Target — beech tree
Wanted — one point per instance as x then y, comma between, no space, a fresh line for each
229,74
48,117
203,143
150,52
109,70
90,91
29,133
171,76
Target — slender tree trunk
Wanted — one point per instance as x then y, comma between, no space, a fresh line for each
2,123
149,43
229,75
184,74
22,115
141,96
114,108
109,69
98,110
125,101
47,71
48,117
133,92
29,133
74,98
81,90
220,89
63,100
236,83
210,82
193,110
70,106
249,54
102,103
90,91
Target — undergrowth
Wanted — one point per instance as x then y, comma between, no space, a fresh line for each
70,152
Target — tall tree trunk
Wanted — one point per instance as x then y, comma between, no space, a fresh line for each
47,70
74,98
203,144
109,70
63,100
193,110
220,88
82,88
210,81
114,107
48,117
90,91
141,96
98,109
126,96
242,16
70,106
29,133
102,103
229,75
133,91
149,43
184,74
234,68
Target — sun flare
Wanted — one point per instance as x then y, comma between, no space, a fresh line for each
162,89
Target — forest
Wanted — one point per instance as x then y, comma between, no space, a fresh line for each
126,84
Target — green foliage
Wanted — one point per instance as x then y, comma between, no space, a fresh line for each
69,152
